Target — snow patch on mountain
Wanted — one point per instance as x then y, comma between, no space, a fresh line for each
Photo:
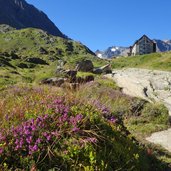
114,51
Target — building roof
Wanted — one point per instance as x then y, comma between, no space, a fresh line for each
140,39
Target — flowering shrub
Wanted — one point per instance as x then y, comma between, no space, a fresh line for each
43,129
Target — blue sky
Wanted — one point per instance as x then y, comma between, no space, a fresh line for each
103,23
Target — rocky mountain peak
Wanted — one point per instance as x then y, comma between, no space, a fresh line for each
19,14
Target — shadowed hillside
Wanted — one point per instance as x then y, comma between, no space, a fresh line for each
19,14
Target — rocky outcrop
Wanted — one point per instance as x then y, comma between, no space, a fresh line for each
54,81
69,79
19,14
85,66
35,60
163,138
106,69
149,85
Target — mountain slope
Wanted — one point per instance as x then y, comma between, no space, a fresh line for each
29,55
163,45
19,14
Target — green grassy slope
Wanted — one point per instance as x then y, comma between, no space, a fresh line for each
156,61
29,55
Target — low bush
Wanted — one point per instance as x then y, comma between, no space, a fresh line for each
44,128
156,112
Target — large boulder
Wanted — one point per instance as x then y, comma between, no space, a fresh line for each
60,67
85,66
54,81
97,71
70,73
82,80
89,78
106,69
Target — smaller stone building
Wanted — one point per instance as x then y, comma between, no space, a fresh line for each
144,45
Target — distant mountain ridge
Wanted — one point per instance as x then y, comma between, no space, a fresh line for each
163,45
113,51
117,51
19,14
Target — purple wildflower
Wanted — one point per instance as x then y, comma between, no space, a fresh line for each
75,129
1,150
113,119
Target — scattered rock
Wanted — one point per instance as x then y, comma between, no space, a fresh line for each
85,66
43,51
59,70
5,54
97,71
104,69
60,67
36,61
4,63
15,56
52,52
15,72
22,65
53,81
70,73
74,86
89,78
61,63
59,52
80,80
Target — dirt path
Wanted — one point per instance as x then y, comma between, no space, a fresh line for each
149,85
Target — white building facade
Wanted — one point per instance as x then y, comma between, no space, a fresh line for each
143,46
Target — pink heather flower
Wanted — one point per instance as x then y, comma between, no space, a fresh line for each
91,140
16,141
21,142
55,134
48,137
75,129
1,150
45,134
38,141
29,139
35,148
113,119
17,147
79,117
2,138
